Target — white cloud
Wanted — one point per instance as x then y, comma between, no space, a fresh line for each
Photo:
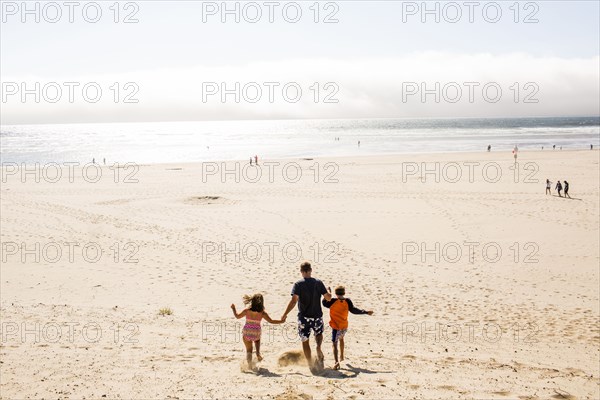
368,88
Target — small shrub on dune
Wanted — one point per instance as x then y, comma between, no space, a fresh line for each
165,311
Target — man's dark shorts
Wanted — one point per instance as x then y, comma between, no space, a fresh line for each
305,325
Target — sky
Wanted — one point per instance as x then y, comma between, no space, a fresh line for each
191,60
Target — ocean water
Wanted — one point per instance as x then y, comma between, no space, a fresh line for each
167,142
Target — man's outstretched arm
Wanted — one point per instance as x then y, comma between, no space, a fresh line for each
291,305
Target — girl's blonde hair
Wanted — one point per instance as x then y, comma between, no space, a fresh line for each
256,302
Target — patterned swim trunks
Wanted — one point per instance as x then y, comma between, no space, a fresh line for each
305,325
337,334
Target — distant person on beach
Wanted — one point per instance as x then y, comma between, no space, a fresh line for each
548,187
359,143
553,147
489,148
515,151
250,160
558,188
338,320
591,147
567,189
93,161
307,294
256,160
254,313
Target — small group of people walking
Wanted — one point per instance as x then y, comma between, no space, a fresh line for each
558,187
255,159
103,161
306,293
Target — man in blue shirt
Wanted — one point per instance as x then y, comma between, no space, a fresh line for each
307,294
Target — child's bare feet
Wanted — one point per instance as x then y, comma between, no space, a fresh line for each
336,366
259,357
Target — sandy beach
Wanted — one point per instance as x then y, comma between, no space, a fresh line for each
482,285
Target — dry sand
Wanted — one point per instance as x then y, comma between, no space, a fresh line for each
471,325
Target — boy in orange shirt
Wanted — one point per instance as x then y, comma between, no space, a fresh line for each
338,320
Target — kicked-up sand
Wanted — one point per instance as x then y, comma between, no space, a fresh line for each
482,285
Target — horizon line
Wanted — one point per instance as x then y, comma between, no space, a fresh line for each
296,119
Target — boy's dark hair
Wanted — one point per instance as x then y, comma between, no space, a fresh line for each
340,290
256,302
305,267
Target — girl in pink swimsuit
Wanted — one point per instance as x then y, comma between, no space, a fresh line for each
254,313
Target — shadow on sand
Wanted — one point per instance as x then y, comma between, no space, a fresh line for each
567,198
266,373
348,371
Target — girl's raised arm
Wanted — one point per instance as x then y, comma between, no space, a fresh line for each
240,315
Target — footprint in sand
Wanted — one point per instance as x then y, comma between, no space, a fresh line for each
291,394
202,200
